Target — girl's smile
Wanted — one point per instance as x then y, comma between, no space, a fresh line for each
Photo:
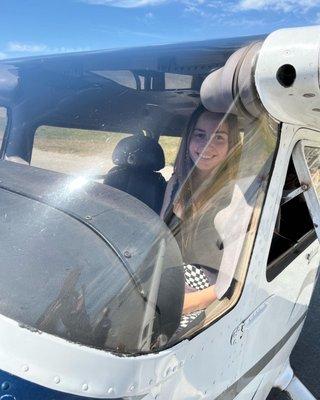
208,145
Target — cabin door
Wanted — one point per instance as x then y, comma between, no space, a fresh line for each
283,270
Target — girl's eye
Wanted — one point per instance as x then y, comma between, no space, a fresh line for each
199,135
220,138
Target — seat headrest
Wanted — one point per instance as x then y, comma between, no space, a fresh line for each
139,151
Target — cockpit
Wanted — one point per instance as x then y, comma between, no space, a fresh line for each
133,208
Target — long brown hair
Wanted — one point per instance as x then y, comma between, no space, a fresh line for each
184,168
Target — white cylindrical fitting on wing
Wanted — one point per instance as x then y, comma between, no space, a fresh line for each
232,88
287,75
217,89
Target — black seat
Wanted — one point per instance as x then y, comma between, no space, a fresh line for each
137,159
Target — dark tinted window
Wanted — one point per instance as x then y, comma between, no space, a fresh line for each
294,229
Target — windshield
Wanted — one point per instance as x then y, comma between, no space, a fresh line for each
124,198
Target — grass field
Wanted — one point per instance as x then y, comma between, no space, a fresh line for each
78,150
86,143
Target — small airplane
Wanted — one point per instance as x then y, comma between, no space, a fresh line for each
94,268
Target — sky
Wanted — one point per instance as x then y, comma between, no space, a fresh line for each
34,27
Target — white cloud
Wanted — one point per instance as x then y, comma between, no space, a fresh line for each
278,5
198,7
124,32
201,7
126,3
26,48
18,47
145,3
63,49
149,15
243,21
194,10
3,55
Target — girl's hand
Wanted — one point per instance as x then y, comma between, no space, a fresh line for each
199,300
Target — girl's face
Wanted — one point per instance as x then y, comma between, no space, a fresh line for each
209,144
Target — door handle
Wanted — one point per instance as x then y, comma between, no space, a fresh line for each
245,325
312,254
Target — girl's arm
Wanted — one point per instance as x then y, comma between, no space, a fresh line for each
199,300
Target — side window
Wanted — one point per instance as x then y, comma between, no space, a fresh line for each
74,151
294,230
3,122
78,151
177,81
312,155
121,77
170,146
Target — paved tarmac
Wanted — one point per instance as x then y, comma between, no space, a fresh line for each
305,359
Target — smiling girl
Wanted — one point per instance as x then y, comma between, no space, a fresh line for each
198,189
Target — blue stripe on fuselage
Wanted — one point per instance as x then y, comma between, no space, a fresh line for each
20,389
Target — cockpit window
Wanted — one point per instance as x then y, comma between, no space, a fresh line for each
74,151
132,212
123,78
148,80
178,81
312,155
80,151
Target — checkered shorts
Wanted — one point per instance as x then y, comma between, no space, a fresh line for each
195,278
186,319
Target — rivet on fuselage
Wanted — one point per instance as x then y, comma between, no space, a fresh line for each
25,368
85,387
57,379
110,390
5,385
